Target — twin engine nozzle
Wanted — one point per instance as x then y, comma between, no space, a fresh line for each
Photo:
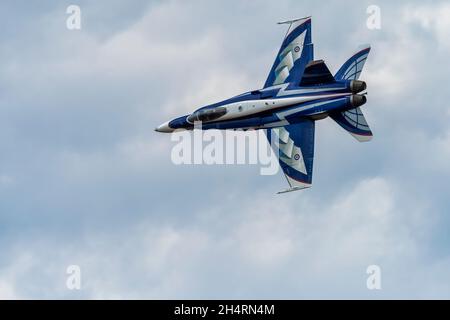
357,100
357,86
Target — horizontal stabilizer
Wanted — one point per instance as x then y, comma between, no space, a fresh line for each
316,72
354,122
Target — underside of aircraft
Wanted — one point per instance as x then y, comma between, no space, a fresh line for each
297,92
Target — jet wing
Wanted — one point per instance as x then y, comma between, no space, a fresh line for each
294,145
295,53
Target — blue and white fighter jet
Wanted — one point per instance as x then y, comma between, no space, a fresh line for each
298,91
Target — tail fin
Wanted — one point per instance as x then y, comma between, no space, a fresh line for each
316,72
351,69
353,120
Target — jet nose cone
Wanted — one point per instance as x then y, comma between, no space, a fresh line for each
164,128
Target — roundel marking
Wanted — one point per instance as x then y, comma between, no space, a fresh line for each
297,157
297,49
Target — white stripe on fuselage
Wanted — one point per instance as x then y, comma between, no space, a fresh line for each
284,92
246,108
283,114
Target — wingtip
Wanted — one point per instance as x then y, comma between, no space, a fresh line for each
294,20
292,189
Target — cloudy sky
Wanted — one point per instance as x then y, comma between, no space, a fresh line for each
84,179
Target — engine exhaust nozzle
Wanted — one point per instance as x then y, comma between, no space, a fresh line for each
357,100
357,86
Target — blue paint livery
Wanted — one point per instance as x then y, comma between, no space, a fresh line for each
297,92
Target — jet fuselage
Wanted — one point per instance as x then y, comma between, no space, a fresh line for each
273,107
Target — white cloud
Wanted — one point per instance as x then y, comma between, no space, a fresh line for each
308,239
10,276
6,291
433,18
195,234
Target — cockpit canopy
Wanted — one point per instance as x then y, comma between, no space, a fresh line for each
207,115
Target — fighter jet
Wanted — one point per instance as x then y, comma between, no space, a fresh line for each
298,91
